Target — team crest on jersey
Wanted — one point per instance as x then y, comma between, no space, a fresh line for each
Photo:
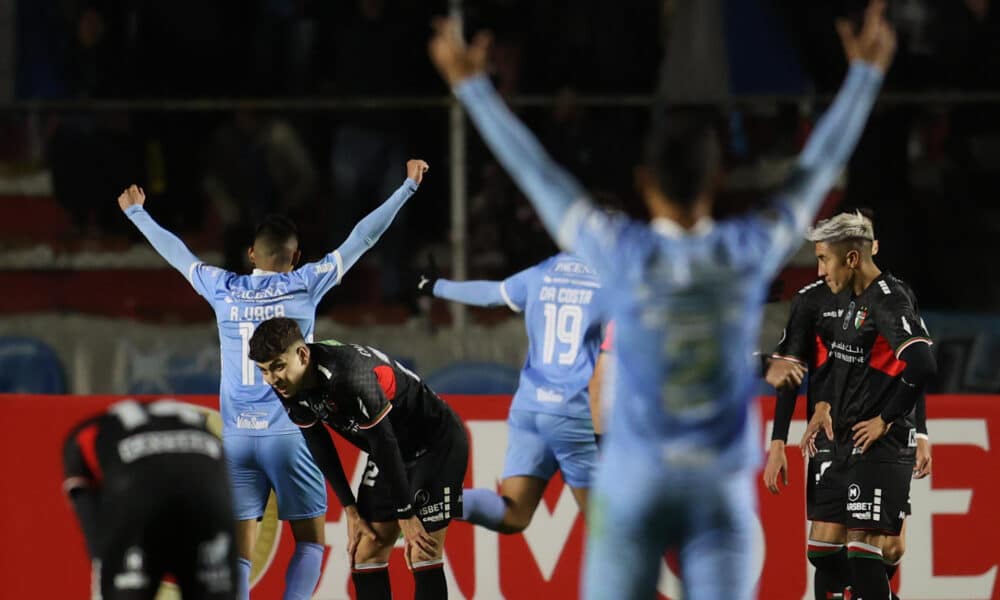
860,316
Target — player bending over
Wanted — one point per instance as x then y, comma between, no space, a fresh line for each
417,449
549,423
148,483
263,448
681,447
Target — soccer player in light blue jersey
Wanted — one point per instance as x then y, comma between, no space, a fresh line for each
264,449
549,424
682,444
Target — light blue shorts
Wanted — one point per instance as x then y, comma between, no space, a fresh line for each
539,443
258,464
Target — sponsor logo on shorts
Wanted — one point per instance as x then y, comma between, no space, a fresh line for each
853,492
548,396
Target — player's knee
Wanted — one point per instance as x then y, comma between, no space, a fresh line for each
515,522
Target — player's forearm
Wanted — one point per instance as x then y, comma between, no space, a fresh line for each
168,245
385,451
325,454
550,188
784,407
369,229
920,367
86,504
836,135
475,293
920,414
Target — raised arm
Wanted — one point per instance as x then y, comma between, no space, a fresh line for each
168,245
328,272
869,53
551,189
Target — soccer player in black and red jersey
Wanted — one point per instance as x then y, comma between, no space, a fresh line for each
880,359
149,486
805,344
417,447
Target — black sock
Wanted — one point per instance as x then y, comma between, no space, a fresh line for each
371,582
833,573
429,582
867,571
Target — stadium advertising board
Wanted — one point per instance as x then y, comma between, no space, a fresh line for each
950,554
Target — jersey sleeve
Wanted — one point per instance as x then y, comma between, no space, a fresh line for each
798,340
203,278
300,412
514,289
897,320
473,293
365,396
80,467
767,237
324,274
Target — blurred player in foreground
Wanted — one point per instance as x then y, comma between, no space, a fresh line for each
417,450
549,425
263,448
682,447
880,360
148,483
805,345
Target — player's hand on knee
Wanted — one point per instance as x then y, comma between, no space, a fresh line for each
417,537
357,528
415,169
132,196
777,464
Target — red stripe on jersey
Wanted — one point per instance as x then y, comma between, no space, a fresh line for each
884,359
387,380
822,354
87,440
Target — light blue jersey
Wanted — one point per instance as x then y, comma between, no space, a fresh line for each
248,405
687,303
560,300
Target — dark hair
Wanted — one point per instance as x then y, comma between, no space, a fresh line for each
272,338
275,230
683,152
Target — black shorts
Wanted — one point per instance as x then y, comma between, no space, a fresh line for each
435,477
826,486
878,495
173,515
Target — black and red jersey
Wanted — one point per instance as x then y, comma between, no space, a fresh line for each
873,328
109,448
360,386
807,337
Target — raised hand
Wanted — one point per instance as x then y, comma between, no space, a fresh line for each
450,54
415,169
874,43
133,196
